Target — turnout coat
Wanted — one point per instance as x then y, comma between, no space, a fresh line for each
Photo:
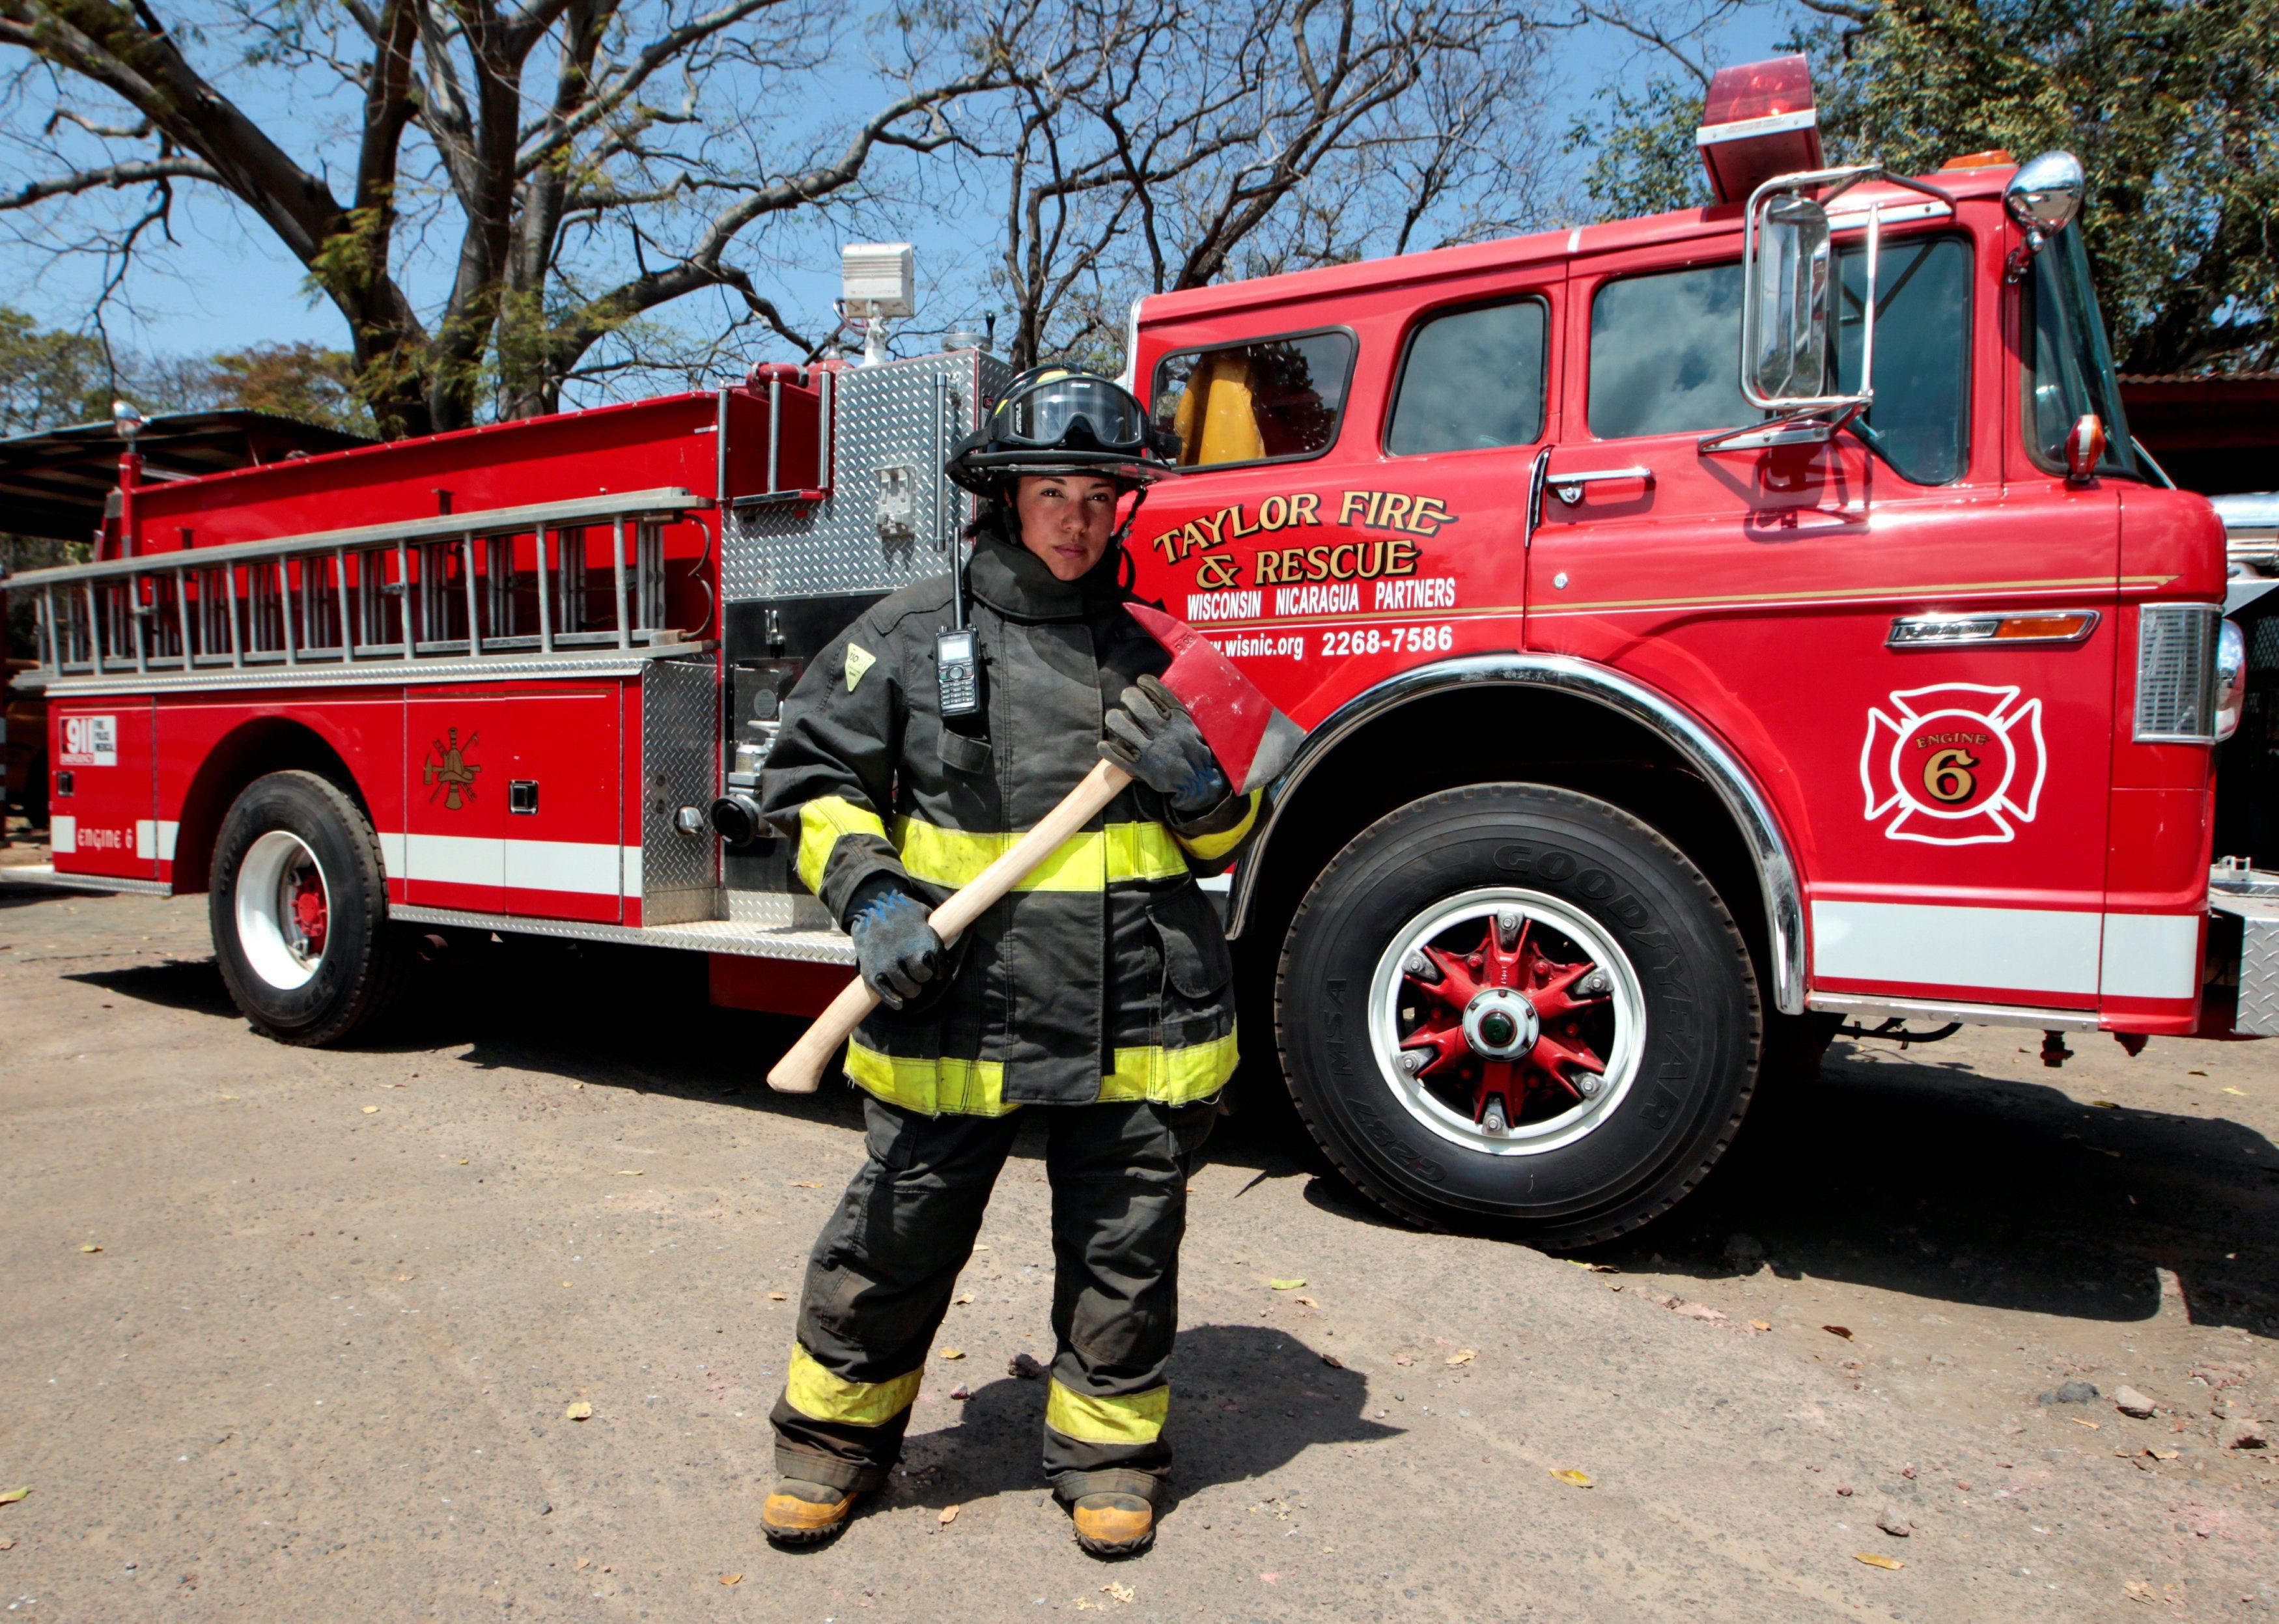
1106,976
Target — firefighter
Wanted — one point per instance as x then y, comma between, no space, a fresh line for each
1099,990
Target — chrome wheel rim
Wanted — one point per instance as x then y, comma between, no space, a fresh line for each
1439,1059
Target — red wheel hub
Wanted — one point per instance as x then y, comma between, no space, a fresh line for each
1568,1017
307,902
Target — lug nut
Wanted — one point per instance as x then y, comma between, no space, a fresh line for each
1590,1082
1508,923
1416,964
1598,981
1414,1061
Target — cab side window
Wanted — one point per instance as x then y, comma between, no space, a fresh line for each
1665,354
1472,379
1666,345
1271,400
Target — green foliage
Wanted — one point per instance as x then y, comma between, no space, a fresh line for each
2172,108
48,379
301,380
1643,157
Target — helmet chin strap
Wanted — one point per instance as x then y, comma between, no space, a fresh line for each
1123,533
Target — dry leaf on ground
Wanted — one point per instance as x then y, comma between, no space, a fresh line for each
1462,1356
1122,1592
953,1352
1844,1331
631,1172
805,1183
584,1563
731,1578
1579,1480
778,1296
1761,1325
90,1248
2240,1092
949,1515
1310,1302
368,1110
1287,1285
1873,1560
8,1496
580,1411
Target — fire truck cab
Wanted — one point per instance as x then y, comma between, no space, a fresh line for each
1664,711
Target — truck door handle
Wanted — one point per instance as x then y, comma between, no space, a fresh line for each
1569,488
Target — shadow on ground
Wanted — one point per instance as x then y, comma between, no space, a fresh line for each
1246,1400
1902,1172
1896,1170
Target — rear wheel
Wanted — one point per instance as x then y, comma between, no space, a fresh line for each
1516,1003
299,911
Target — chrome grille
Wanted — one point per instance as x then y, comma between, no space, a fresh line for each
2175,672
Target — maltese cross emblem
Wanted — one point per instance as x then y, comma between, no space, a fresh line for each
1957,765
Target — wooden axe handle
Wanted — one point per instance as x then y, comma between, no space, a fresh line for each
801,1069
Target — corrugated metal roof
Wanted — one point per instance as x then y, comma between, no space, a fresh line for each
55,483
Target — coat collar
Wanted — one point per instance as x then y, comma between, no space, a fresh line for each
1014,581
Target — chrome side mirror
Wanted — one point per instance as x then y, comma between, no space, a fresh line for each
2043,197
1788,303
1788,294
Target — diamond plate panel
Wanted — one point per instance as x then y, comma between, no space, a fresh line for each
680,754
905,415
779,910
2258,976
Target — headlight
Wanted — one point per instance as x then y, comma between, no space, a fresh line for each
2230,680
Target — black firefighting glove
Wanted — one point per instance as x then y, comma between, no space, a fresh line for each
1154,739
896,951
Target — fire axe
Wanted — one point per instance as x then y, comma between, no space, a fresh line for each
1252,741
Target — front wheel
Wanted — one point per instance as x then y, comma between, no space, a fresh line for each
299,911
1516,1003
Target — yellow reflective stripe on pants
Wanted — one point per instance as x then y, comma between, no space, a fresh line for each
820,1396
977,1088
822,822
1137,1418
1090,862
1211,847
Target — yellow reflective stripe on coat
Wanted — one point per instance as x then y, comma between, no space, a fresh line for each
1137,1418
820,1396
1211,847
962,1087
1115,856
1173,1076
822,822
977,1088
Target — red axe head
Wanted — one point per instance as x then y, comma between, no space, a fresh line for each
1253,741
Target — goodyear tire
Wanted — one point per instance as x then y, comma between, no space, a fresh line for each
1517,1006
298,906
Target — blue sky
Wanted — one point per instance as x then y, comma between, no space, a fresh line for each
225,284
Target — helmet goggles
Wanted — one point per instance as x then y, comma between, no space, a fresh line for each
1065,411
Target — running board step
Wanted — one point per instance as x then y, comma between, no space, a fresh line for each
700,936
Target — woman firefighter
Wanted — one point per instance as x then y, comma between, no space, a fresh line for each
1101,989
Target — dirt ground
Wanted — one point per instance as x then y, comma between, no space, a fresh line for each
292,1335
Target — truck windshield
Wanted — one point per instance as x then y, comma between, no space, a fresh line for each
2069,369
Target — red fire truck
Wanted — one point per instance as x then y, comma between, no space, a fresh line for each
1664,710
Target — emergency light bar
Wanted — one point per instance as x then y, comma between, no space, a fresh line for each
1757,121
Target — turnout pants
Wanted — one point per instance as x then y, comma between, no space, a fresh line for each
880,1276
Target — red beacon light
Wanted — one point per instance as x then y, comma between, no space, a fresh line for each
1757,121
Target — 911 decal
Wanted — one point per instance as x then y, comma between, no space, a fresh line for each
1957,763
